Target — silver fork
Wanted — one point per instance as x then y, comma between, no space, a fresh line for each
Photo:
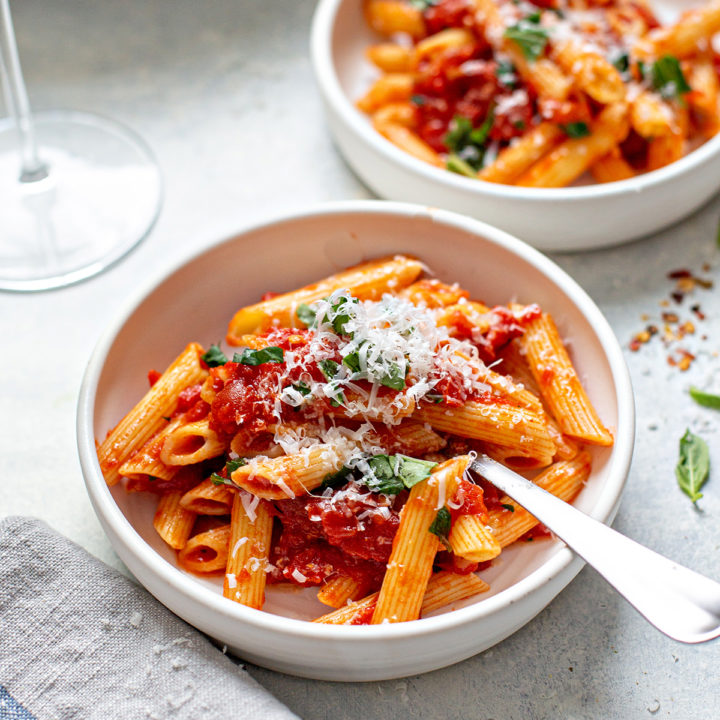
679,602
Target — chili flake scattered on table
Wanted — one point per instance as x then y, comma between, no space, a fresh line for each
674,328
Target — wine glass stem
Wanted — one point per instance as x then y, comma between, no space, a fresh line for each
31,167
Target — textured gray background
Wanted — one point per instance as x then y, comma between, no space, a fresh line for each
223,91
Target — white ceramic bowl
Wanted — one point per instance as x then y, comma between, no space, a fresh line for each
573,218
195,300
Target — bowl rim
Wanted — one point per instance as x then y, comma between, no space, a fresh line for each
123,532
321,37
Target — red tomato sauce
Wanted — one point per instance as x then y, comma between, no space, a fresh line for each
342,534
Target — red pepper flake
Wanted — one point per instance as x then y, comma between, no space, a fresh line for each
698,312
677,297
681,359
677,274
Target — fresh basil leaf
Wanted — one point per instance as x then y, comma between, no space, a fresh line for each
693,465
534,17
340,314
352,361
507,74
435,398
666,76
394,378
306,315
441,526
328,368
214,356
269,354
479,136
457,165
301,387
576,129
706,399
337,478
622,63
219,480
413,471
458,133
529,37
509,507
386,479
232,465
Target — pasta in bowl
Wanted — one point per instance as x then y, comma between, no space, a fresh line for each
558,112
318,471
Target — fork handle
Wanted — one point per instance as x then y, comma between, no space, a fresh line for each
679,602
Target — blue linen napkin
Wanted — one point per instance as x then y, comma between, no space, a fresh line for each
79,640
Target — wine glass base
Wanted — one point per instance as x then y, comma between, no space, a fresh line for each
101,197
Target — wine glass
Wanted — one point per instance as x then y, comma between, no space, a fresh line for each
77,191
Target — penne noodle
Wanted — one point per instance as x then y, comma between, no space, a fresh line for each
148,417
366,282
172,521
206,552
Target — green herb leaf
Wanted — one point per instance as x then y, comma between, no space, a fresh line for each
328,368
441,526
269,354
457,165
306,315
418,100
667,78
435,398
339,311
214,356
622,63
301,387
352,361
467,144
706,399
507,74
386,479
693,465
576,129
413,471
337,478
529,37
232,465
394,378
509,507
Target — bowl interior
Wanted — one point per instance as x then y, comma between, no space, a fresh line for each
196,301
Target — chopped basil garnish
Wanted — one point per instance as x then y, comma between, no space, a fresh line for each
230,467
328,368
214,356
693,465
435,398
667,78
457,165
576,129
301,387
340,314
507,74
352,361
622,63
387,474
509,507
706,399
529,37
338,478
259,357
441,526
467,143
394,378
305,314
